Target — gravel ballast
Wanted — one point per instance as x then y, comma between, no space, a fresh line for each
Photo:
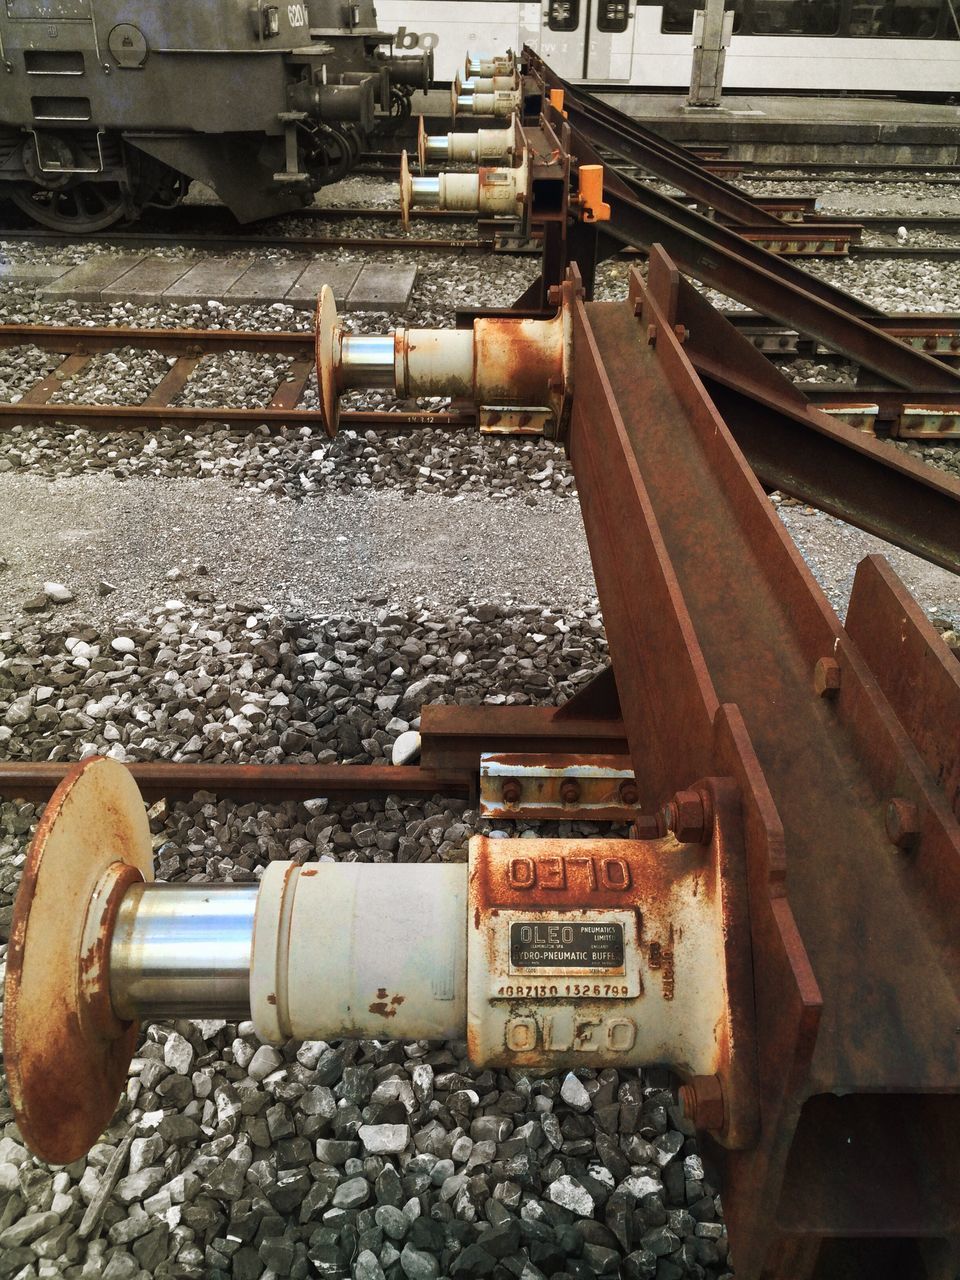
232,1158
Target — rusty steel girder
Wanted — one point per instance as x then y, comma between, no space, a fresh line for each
730,663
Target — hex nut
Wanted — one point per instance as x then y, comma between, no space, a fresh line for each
628,792
569,791
686,817
826,677
902,820
701,1100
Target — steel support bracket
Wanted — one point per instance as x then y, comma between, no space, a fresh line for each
570,788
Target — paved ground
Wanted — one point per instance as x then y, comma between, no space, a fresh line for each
333,552
145,279
326,553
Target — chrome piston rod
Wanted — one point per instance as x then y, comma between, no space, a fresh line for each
183,951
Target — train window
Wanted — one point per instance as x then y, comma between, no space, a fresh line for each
613,15
563,15
900,19
678,15
792,17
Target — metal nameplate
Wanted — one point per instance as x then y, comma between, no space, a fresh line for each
576,944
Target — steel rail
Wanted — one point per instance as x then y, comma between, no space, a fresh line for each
268,784
144,417
77,344
229,241
762,281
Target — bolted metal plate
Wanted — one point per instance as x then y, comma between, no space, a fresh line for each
598,788
928,420
861,416
506,421
65,1053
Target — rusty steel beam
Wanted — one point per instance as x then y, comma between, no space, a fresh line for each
456,737
810,455
701,237
730,662
268,784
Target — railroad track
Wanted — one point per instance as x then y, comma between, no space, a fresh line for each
188,347
184,228
934,417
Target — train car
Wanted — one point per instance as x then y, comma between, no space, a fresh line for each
110,106
886,46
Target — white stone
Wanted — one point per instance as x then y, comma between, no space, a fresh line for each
640,1184
574,1094
57,592
570,1194
406,749
178,1054
384,1139
123,644
263,1062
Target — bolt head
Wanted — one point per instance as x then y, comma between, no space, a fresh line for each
701,1101
902,820
826,677
628,792
569,791
511,791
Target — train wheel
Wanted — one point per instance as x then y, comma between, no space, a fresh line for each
87,206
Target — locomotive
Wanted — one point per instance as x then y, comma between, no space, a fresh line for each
111,106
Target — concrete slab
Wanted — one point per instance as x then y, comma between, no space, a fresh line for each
340,276
382,288
265,281
31,272
145,282
786,127
208,279
86,282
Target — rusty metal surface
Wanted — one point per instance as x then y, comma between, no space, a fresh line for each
676,993
702,252
65,1053
268,783
716,629
809,454
918,673
454,737
568,788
